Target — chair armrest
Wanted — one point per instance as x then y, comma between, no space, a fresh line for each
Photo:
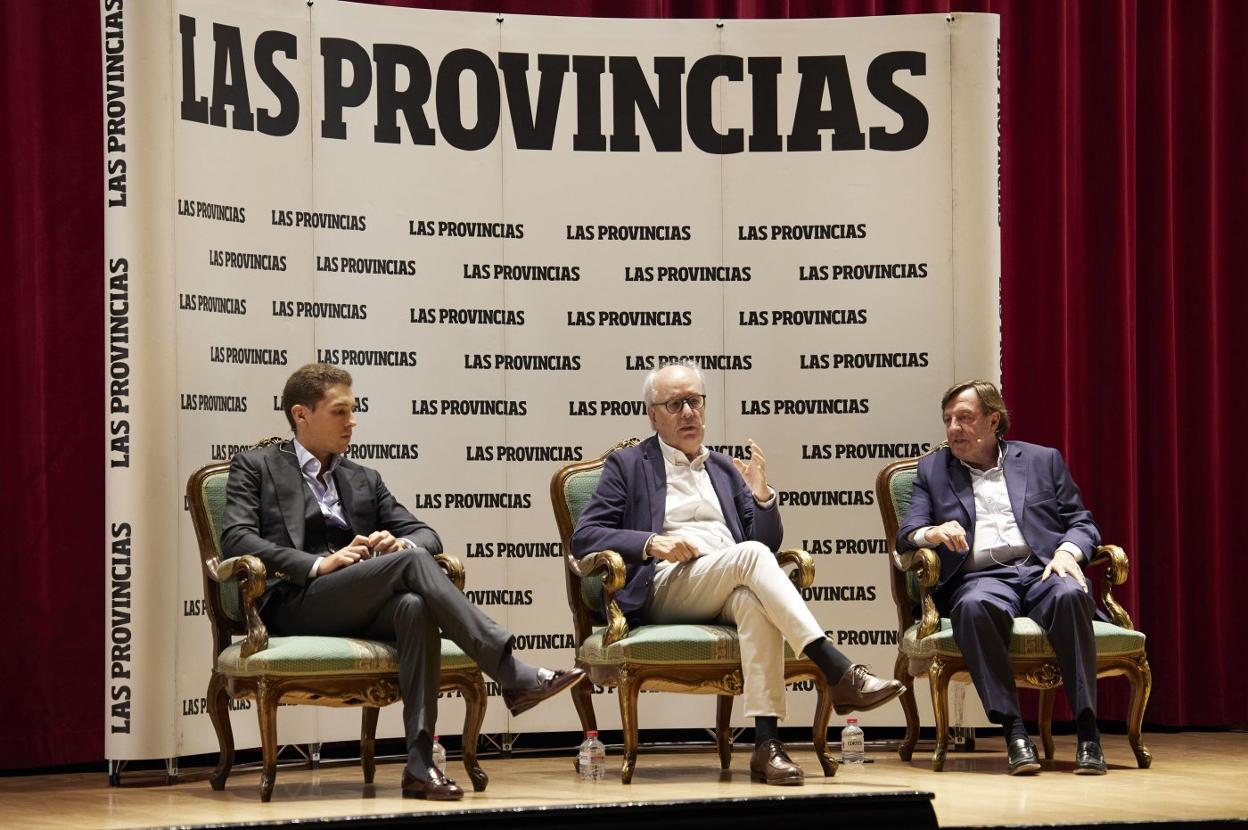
1114,560
610,565
249,572
453,567
803,575
925,564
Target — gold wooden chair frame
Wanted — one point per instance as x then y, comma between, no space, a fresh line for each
231,588
600,576
913,579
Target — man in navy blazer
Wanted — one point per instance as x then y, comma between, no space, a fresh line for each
697,530
1012,534
343,558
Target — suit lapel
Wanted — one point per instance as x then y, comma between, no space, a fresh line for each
288,486
1016,481
960,481
723,483
346,481
656,474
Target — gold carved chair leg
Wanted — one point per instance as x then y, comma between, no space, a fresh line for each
908,706
938,678
628,690
473,692
266,711
368,742
1047,697
723,729
583,700
823,713
1141,678
219,714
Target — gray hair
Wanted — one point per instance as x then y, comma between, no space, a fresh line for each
647,386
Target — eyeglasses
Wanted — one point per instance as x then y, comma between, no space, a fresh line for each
677,405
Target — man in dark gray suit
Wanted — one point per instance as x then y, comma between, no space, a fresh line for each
344,558
1012,534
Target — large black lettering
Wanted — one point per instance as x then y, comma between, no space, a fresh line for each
702,130
818,73
335,51
765,131
410,101
228,42
534,127
193,109
589,136
450,109
267,45
631,94
913,113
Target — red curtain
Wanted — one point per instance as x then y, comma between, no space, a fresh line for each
1121,194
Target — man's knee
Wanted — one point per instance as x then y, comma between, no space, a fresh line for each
978,607
409,610
750,556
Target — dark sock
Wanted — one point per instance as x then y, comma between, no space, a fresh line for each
766,728
831,662
1085,726
1013,728
420,756
514,673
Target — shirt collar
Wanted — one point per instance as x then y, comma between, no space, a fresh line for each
677,458
977,473
308,463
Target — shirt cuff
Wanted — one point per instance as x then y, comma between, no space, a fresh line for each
316,567
406,544
645,549
771,499
919,537
1072,549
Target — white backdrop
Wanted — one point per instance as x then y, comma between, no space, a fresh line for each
831,258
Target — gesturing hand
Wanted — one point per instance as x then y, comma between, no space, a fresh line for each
382,541
755,472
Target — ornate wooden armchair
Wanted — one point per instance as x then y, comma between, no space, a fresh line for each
699,659
325,671
926,645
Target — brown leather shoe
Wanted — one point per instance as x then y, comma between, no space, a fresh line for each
859,690
437,788
770,764
519,701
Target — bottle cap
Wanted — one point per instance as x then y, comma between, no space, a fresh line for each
851,720
435,739
591,733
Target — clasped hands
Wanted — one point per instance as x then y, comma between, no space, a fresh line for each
362,547
1063,563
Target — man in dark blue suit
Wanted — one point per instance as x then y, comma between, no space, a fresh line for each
1012,535
697,530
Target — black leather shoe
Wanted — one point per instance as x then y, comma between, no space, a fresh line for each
519,701
1089,760
859,690
770,764
1023,759
437,788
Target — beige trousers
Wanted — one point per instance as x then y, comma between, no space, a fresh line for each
742,585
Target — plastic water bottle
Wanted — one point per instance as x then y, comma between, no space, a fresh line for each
591,759
439,754
853,745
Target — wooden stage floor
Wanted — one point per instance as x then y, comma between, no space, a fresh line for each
1194,777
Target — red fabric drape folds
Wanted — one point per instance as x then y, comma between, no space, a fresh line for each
1122,191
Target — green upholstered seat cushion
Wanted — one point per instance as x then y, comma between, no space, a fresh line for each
668,644
325,655
577,490
1027,640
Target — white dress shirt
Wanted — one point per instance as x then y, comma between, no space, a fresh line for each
998,541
